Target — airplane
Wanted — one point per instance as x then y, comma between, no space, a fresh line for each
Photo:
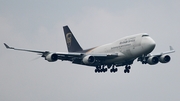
121,52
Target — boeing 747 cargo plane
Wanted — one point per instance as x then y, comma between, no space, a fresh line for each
121,52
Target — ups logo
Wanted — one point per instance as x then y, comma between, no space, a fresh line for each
68,39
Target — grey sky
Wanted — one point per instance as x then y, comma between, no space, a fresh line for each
38,25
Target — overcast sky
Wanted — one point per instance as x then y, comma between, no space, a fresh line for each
33,24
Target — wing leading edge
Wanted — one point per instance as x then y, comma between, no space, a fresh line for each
8,47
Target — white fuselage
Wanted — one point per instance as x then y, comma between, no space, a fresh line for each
127,48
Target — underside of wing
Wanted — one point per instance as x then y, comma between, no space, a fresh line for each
86,59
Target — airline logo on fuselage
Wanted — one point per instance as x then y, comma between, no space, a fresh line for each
130,40
68,39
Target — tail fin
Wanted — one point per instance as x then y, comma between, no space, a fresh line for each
72,44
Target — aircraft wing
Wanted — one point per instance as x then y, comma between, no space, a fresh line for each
8,47
77,57
155,58
68,56
163,53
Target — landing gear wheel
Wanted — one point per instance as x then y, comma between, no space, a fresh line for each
127,69
96,70
100,69
111,70
105,69
116,69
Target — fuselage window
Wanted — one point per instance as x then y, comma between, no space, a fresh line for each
145,35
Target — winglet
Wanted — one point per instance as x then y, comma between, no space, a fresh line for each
39,52
171,49
8,46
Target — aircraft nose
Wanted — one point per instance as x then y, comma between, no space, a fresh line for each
148,44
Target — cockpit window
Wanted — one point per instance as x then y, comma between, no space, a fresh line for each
145,35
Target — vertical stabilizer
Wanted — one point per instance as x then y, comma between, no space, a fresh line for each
72,44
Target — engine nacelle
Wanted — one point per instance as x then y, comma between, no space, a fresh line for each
88,60
51,57
164,58
152,60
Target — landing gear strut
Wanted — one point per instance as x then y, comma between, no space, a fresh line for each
127,69
143,59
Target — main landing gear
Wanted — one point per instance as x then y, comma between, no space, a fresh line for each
100,69
113,69
127,69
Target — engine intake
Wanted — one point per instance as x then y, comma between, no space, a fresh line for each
152,60
51,57
88,60
164,58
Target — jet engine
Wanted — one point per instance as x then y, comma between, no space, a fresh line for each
51,57
152,60
164,58
88,59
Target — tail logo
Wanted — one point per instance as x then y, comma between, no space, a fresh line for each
68,39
